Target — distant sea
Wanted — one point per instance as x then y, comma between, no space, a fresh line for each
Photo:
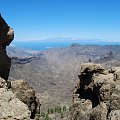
44,45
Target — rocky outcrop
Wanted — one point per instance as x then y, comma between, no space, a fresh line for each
18,101
11,108
6,37
97,96
26,94
17,98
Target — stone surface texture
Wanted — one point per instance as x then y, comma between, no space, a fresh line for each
11,108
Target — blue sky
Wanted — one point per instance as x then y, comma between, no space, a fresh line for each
38,19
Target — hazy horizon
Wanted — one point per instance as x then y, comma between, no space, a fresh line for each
58,43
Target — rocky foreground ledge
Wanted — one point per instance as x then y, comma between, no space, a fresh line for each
97,96
17,101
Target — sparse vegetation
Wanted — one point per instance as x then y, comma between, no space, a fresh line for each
46,116
59,111
42,114
70,108
64,108
62,114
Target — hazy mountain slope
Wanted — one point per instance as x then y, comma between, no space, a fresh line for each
18,52
54,72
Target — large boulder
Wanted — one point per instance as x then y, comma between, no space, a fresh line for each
6,37
97,95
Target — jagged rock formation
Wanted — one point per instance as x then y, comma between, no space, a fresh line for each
17,98
97,96
6,37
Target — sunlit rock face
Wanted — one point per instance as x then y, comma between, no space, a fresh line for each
6,37
97,96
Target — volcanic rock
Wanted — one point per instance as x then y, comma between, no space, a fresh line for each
97,96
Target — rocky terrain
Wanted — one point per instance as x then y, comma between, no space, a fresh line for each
97,96
17,98
54,73
17,101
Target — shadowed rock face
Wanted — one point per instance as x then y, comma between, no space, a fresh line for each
97,96
6,37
